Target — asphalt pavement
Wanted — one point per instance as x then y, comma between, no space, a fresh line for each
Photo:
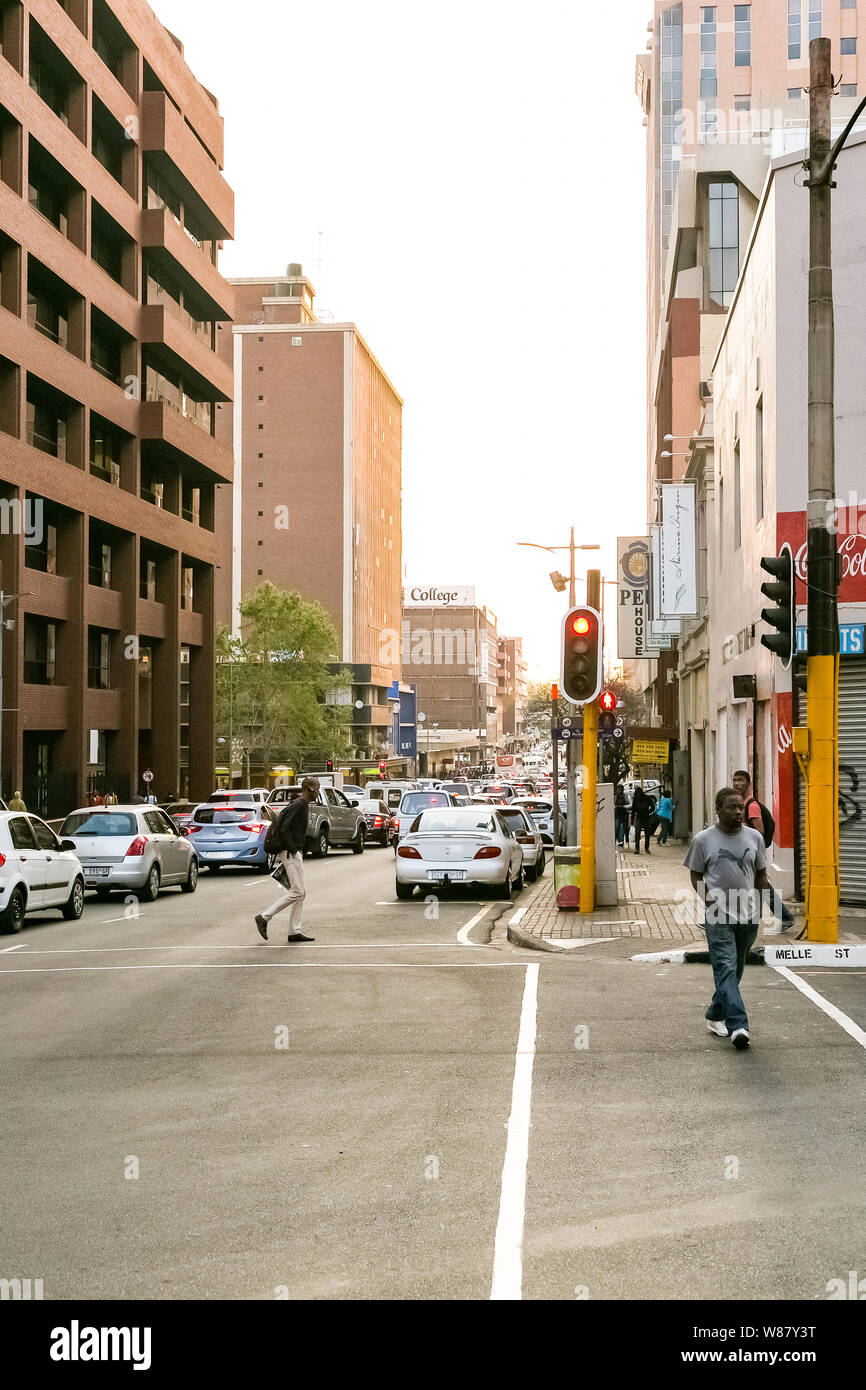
412,1108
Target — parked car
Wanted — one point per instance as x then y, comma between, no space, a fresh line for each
132,847
528,836
381,826
231,834
179,811
412,803
36,872
249,796
541,811
333,820
461,844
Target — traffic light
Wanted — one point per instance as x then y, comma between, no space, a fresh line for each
329,766
606,724
383,767
782,617
581,655
607,701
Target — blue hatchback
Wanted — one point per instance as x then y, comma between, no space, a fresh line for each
231,834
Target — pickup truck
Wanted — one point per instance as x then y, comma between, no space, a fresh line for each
333,820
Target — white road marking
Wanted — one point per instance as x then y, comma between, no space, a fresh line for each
250,946
521,912
568,945
275,965
463,934
7,949
508,1250
851,1028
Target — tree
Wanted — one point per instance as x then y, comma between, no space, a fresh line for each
276,684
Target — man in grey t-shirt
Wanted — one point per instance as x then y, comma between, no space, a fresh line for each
728,864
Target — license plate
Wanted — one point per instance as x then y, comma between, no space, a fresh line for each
220,854
442,873
96,870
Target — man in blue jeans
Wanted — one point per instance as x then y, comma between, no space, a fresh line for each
728,864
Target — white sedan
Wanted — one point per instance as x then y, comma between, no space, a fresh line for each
460,844
36,872
529,837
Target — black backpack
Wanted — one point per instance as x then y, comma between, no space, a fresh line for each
274,838
769,825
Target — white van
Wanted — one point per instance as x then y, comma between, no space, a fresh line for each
389,792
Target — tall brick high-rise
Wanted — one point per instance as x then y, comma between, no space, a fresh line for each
316,431
112,209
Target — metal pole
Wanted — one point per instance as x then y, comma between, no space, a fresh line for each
571,745
554,697
590,786
822,664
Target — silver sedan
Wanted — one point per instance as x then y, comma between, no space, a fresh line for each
130,847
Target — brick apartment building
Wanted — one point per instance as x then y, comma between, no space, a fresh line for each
450,655
112,209
316,430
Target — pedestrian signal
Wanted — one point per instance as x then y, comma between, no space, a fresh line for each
581,655
607,701
782,616
329,767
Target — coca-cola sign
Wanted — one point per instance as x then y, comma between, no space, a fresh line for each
791,527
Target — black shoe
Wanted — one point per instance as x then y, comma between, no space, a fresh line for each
299,936
262,924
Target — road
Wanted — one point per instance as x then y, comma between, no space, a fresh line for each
190,1112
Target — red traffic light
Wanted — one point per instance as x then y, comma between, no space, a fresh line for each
581,625
607,700
581,655
382,765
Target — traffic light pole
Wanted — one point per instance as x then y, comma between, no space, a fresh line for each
571,747
590,766
822,664
554,698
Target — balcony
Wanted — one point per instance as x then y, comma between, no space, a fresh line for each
184,352
170,142
170,245
179,439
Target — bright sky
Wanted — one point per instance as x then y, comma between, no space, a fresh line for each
478,172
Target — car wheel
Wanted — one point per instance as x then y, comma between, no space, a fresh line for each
13,918
151,888
505,889
404,890
358,842
531,873
73,908
520,880
192,877
541,865
321,850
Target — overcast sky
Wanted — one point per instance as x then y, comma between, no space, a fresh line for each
478,173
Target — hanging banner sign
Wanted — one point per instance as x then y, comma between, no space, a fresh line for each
632,609
659,627
678,569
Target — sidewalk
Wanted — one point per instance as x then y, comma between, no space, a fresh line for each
649,906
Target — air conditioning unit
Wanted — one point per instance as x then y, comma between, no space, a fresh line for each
706,390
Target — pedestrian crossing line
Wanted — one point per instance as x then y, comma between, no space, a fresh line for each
276,965
508,1249
851,1028
249,946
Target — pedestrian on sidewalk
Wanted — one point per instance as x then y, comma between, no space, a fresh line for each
17,803
760,818
641,814
620,815
665,815
728,864
292,829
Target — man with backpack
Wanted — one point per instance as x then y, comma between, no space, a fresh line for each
759,817
289,832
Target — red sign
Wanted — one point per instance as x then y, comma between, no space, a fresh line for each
504,760
850,526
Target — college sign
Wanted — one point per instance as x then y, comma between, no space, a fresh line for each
439,596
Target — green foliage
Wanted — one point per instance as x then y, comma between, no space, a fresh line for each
272,682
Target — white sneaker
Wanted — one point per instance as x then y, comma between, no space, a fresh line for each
718,1028
740,1038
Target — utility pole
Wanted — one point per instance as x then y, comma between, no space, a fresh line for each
590,770
554,711
571,745
821,752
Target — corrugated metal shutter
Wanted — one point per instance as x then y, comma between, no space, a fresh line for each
852,785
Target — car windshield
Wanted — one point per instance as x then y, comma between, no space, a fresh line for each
99,823
468,822
224,815
413,802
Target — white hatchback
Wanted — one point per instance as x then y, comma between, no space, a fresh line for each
36,872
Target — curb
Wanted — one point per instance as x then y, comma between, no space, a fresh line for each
686,956
518,937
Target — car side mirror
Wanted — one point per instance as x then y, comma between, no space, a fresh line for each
354,802
68,844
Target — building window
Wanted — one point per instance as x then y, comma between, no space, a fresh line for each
709,66
794,29
848,89
849,46
759,459
670,125
186,597
794,93
742,36
147,579
709,117
815,19
99,567
849,4
39,651
98,659
724,241
738,521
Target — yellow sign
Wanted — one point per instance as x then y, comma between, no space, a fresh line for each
646,750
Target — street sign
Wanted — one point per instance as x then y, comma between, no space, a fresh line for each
650,751
147,776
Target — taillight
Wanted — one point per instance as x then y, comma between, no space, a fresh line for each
2,860
193,829
377,820
137,846
410,852
253,829
526,839
488,852
396,822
